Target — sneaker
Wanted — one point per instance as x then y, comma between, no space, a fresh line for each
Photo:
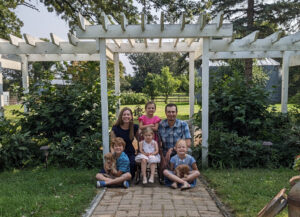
126,184
151,180
144,181
100,184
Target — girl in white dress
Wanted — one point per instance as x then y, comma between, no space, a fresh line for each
148,154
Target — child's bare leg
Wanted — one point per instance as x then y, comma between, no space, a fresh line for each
192,176
119,180
152,169
173,177
143,168
101,177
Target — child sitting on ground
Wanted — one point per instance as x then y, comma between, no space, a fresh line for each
122,175
180,158
148,154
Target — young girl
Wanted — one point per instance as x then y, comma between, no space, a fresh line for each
181,157
148,154
149,120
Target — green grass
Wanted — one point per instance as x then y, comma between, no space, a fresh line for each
183,110
8,111
247,191
40,192
278,107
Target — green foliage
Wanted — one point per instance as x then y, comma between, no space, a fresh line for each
151,86
184,83
68,119
296,165
17,149
239,123
9,24
132,98
167,83
262,16
153,63
91,10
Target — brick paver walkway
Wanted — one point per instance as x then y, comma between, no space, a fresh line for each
156,200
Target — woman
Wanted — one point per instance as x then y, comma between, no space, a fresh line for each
125,129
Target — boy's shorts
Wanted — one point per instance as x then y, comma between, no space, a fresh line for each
102,171
169,182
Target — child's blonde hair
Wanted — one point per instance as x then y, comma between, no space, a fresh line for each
118,141
180,140
147,130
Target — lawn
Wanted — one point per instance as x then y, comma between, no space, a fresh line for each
183,110
247,191
8,111
52,192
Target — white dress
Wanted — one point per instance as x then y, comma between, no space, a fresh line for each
148,148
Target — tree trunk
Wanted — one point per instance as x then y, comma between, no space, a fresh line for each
250,22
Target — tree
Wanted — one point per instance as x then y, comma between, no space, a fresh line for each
249,15
91,10
167,83
151,88
152,63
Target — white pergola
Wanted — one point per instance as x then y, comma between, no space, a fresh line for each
212,40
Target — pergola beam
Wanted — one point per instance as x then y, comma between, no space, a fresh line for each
162,20
124,22
202,21
218,20
182,21
55,39
73,40
104,21
14,40
10,64
154,31
154,48
31,40
248,54
82,22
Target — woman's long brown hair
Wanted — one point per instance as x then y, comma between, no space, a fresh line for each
120,122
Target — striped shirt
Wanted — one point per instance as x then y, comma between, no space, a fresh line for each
123,163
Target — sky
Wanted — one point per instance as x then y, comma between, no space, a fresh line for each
41,24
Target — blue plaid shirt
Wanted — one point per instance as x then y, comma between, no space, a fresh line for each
170,135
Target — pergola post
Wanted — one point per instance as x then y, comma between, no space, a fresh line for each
285,81
1,93
104,98
205,102
117,80
192,90
191,82
25,77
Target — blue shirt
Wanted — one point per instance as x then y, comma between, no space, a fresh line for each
188,160
170,135
123,163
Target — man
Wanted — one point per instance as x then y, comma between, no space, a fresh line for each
172,129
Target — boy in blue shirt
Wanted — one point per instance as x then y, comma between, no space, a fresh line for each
181,158
123,167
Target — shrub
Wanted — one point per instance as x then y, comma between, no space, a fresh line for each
239,122
132,98
17,150
68,119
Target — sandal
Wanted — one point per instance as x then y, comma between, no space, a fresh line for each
185,186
